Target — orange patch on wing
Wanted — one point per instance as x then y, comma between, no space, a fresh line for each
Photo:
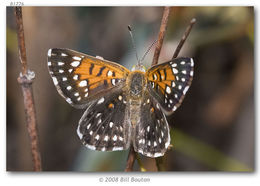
83,69
162,86
162,75
95,85
169,74
111,105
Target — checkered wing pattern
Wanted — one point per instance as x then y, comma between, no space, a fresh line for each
168,82
152,136
81,78
105,125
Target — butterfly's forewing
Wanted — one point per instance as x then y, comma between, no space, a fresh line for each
151,134
104,125
80,78
168,82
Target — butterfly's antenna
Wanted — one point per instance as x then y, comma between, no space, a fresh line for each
148,50
133,42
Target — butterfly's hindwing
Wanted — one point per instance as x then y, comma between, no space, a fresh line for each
104,125
168,82
80,78
151,134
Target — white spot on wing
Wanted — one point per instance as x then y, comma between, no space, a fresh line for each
55,81
91,147
68,87
109,73
174,70
75,63
106,138
115,138
113,82
174,65
61,71
97,137
191,73
185,90
64,79
76,58
75,77
157,154
63,54
83,83
168,90
69,100
98,114
155,76
49,63
184,72
49,52
117,148
60,63
101,100
76,94
183,62
191,62
111,124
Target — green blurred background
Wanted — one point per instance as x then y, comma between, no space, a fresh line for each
214,129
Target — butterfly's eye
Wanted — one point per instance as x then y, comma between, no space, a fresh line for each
133,68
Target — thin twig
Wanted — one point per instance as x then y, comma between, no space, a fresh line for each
25,79
184,37
160,163
161,35
140,163
130,160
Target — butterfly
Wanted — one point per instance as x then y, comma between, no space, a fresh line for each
123,107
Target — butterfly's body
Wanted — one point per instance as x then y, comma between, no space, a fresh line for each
136,85
123,107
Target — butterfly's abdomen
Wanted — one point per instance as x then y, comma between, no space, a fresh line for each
136,87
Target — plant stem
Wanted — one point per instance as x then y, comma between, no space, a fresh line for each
130,160
183,39
25,79
161,35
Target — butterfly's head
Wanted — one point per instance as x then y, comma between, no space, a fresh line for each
138,67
